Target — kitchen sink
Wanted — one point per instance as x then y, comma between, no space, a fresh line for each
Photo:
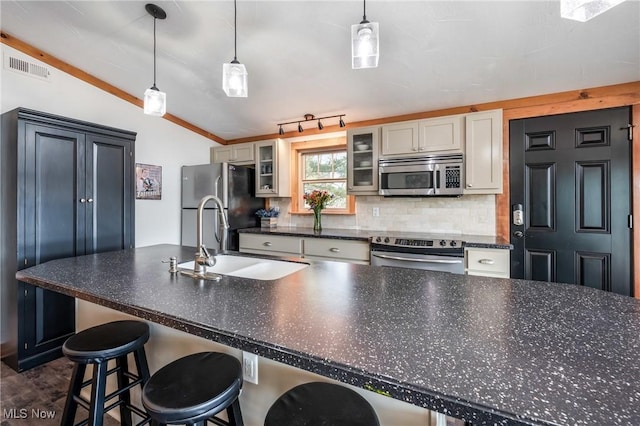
248,267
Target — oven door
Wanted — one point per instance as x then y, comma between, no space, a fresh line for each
453,264
411,178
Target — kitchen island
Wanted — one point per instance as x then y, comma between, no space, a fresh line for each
484,349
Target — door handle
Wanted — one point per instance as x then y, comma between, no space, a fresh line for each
518,234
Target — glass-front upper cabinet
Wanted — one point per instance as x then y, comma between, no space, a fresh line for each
362,160
272,171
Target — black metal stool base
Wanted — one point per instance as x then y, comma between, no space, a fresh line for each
97,346
193,389
319,403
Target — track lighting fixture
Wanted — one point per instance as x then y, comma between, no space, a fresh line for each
365,43
234,74
155,101
310,117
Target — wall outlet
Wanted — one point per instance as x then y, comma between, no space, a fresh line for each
250,367
376,211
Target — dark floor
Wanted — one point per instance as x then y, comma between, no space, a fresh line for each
37,396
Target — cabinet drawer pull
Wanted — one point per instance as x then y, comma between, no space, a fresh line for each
267,244
334,250
487,261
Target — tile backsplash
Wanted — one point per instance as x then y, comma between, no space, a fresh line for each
469,214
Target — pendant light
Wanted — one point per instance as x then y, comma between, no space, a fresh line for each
155,101
365,43
583,10
234,74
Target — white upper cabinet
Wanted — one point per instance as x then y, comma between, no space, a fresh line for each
432,135
483,156
272,169
240,154
400,138
362,160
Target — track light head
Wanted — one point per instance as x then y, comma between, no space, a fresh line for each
320,126
342,122
300,129
281,131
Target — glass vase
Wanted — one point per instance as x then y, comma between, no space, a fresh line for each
317,219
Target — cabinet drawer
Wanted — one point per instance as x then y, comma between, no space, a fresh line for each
488,262
271,243
493,262
337,249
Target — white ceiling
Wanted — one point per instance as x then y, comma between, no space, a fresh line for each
434,54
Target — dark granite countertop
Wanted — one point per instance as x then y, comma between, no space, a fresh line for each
472,241
492,351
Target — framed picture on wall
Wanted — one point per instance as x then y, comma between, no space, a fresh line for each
148,182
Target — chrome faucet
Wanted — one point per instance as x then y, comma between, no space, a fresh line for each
203,257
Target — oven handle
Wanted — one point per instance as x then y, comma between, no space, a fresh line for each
411,259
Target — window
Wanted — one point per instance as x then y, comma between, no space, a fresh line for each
326,170
321,165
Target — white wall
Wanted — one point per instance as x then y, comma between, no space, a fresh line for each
158,142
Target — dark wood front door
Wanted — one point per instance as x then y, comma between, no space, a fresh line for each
571,175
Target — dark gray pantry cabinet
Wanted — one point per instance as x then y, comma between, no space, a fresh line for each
67,190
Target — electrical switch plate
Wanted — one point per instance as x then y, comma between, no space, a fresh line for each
376,212
250,367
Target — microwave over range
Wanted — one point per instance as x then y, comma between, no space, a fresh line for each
432,175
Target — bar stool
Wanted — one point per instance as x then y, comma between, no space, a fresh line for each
319,403
193,389
97,346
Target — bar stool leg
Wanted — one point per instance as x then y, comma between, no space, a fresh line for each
125,397
141,364
234,414
75,386
98,385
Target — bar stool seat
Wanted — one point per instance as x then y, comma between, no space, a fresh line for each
96,346
321,404
193,389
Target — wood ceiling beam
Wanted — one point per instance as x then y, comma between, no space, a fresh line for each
38,54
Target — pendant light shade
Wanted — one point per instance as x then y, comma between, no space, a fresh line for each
234,74
155,101
583,10
365,43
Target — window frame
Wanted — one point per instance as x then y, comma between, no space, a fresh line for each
308,147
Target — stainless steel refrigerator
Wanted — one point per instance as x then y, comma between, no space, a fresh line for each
235,186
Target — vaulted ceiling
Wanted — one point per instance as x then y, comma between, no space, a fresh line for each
434,54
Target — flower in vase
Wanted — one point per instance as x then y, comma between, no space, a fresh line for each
317,199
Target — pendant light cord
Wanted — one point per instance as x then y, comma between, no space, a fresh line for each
154,49
364,10
235,31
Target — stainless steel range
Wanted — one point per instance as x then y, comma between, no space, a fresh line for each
431,254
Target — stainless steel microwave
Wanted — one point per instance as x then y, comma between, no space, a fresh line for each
432,175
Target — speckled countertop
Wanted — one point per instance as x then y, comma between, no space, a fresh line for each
475,241
492,351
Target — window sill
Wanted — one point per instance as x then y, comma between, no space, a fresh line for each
324,212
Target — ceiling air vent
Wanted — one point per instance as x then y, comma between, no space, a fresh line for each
26,67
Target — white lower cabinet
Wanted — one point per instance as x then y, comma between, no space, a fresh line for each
274,245
351,251
487,262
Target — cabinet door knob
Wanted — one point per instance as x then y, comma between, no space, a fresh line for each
267,244
469,185
351,187
90,200
334,250
82,200
414,148
486,261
